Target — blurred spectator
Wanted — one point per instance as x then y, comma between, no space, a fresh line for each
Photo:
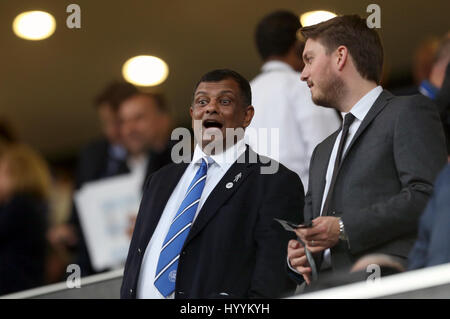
145,127
24,189
105,157
436,85
101,158
430,86
433,244
423,59
284,102
421,65
441,76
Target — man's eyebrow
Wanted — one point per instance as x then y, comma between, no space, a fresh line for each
226,91
221,92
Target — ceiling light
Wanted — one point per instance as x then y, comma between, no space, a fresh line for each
145,70
314,17
34,25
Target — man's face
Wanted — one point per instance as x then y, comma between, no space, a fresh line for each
218,106
140,123
325,84
109,123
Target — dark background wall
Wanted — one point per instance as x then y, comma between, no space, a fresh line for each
46,87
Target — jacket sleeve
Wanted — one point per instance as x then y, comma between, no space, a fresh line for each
284,199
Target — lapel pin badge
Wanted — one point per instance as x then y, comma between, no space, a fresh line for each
237,177
229,185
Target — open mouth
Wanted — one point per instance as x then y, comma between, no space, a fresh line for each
212,123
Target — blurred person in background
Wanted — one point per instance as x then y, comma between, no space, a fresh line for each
440,78
145,126
24,189
104,157
433,244
282,101
436,84
422,62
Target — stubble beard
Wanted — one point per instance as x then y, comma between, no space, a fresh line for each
332,90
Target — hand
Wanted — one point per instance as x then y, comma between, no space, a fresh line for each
297,259
323,235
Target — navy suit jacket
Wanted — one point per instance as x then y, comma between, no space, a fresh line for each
433,245
234,246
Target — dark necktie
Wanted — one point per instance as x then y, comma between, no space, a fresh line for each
348,120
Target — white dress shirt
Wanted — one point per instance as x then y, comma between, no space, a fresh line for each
138,167
218,166
359,110
283,101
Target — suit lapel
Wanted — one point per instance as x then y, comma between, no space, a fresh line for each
226,187
322,167
376,108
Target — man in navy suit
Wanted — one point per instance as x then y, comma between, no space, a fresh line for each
433,244
227,243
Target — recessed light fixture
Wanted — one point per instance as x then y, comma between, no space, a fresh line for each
34,25
314,17
145,70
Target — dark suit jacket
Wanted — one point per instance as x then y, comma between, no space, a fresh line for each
385,178
433,245
91,167
23,224
234,246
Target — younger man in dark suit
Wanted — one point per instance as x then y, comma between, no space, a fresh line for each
370,180
206,229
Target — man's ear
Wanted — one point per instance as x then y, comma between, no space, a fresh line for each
249,112
191,111
341,57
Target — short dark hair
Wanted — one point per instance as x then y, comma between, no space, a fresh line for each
362,42
160,99
223,74
115,93
277,33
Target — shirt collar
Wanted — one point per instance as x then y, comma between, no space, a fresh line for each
223,160
276,65
362,107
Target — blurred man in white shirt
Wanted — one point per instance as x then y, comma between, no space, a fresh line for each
283,104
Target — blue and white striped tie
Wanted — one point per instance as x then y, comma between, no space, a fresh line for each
166,270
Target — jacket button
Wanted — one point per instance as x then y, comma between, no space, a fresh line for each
181,292
139,251
183,252
131,291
